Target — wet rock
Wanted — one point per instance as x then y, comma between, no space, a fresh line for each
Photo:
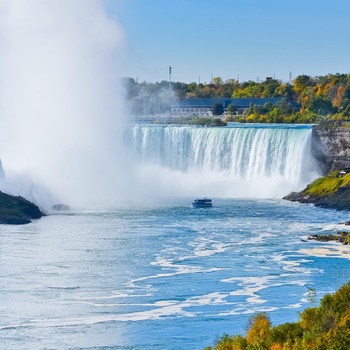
341,237
60,207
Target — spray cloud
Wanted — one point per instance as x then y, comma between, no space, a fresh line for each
61,110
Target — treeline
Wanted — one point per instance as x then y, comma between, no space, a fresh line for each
326,327
306,99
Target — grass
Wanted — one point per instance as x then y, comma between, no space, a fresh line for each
326,186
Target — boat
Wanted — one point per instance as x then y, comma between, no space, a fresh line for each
202,203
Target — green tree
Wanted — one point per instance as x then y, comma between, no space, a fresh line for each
259,334
339,338
269,87
217,81
268,107
321,106
226,342
301,82
231,109
346,112
286,332
218,109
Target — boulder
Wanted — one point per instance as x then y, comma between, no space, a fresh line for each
60,207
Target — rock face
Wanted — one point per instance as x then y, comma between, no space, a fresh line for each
331,147
16,210
339,200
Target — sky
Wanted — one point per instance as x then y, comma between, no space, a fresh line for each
233,39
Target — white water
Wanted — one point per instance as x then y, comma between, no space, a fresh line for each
240,161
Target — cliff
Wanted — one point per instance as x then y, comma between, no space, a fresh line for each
331,146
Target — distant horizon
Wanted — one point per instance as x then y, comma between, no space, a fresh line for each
240,81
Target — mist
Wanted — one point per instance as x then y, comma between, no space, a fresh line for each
146,98
63,123
61,103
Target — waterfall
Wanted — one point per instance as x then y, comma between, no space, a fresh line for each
259,161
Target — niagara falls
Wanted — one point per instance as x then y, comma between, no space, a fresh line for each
115,116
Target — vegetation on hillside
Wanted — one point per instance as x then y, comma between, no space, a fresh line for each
319,98
331,191
325,186
326,327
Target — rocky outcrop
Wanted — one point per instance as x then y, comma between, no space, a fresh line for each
16,210
339,200
332,191
331,146
60,207
341,237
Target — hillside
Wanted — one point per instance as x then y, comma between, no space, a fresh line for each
331,191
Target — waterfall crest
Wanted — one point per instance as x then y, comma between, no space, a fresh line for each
244,161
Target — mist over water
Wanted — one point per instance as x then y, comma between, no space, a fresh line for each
61,106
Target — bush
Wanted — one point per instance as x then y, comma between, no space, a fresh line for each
320,328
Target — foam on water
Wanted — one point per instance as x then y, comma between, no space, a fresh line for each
329,251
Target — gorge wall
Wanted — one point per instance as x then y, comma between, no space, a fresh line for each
331,147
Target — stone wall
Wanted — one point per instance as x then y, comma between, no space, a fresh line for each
331,147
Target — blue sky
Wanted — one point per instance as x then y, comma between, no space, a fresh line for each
249,39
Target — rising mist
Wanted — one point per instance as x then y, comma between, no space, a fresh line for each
62,123
61,105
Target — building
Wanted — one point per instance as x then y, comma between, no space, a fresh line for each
204,106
